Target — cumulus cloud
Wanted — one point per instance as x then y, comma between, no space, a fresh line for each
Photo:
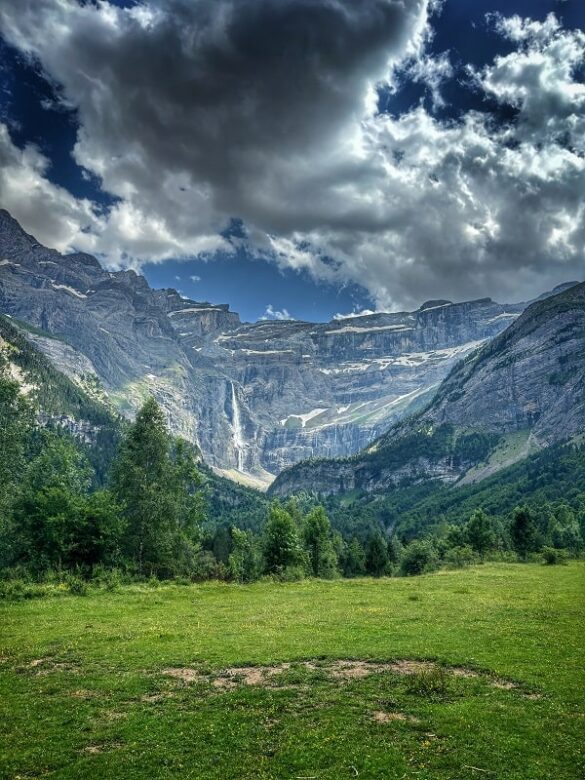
274,314
56,217
192,113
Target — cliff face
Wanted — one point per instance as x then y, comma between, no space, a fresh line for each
522,391
255,397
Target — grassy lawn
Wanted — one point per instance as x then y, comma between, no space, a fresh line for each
140,683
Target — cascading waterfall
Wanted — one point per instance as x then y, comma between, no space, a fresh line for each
239,442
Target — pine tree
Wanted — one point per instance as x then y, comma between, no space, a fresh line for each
523,532
282,547
354,564
318,540
155,481
377,555
479,532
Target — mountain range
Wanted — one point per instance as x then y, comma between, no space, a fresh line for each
520,393
258,398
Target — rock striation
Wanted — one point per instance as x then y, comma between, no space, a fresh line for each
256,398
522,391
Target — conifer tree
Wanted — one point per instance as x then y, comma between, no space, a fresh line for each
282,546
319,544
156,483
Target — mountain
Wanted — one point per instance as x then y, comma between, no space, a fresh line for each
75,404
255,398
521,392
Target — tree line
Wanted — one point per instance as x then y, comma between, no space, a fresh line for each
149,518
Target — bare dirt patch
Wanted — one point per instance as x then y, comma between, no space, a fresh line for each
462,671
186,675
387,717
342,670
47,665
504,685
82,693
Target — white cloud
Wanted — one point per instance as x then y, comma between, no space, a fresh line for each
194,278
409,207
274,314
49,212
351,315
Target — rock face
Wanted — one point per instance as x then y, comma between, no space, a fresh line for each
522,391
257,397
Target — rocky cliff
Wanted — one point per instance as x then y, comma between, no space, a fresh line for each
521,392
256,397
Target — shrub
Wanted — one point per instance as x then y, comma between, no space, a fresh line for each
76,585
460,557
553,557
418,558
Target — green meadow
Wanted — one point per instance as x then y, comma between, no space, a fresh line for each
466,674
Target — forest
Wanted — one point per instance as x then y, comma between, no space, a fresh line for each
139,504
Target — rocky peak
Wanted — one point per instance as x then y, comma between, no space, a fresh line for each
522,391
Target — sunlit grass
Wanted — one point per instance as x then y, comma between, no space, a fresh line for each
86,693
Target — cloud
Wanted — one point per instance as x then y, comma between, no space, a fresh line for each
351,315
194,278
53,215
192,113
274,314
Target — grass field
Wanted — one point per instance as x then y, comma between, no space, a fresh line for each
157,683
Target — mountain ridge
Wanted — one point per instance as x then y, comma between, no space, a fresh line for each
255,397
523,391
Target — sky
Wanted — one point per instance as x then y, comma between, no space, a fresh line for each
302,158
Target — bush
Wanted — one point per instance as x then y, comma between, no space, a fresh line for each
460,557
291,574
418,558
109,579
76,585
204,566
553,557
18,590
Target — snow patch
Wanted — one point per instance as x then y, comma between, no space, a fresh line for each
196,310
304,418
68,289
373,328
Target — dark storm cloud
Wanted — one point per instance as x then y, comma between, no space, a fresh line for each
194,112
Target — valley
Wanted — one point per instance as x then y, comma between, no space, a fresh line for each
256,398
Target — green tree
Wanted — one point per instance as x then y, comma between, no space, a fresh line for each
523,532
377,555
282,546
479,532
318,540
16,422
156,483
245,561
354,559
98,534
418,557
49,506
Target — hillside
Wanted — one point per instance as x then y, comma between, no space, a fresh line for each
520,393
254,397
75,404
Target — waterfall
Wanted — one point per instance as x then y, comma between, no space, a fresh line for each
239,443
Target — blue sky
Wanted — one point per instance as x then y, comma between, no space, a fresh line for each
38,109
